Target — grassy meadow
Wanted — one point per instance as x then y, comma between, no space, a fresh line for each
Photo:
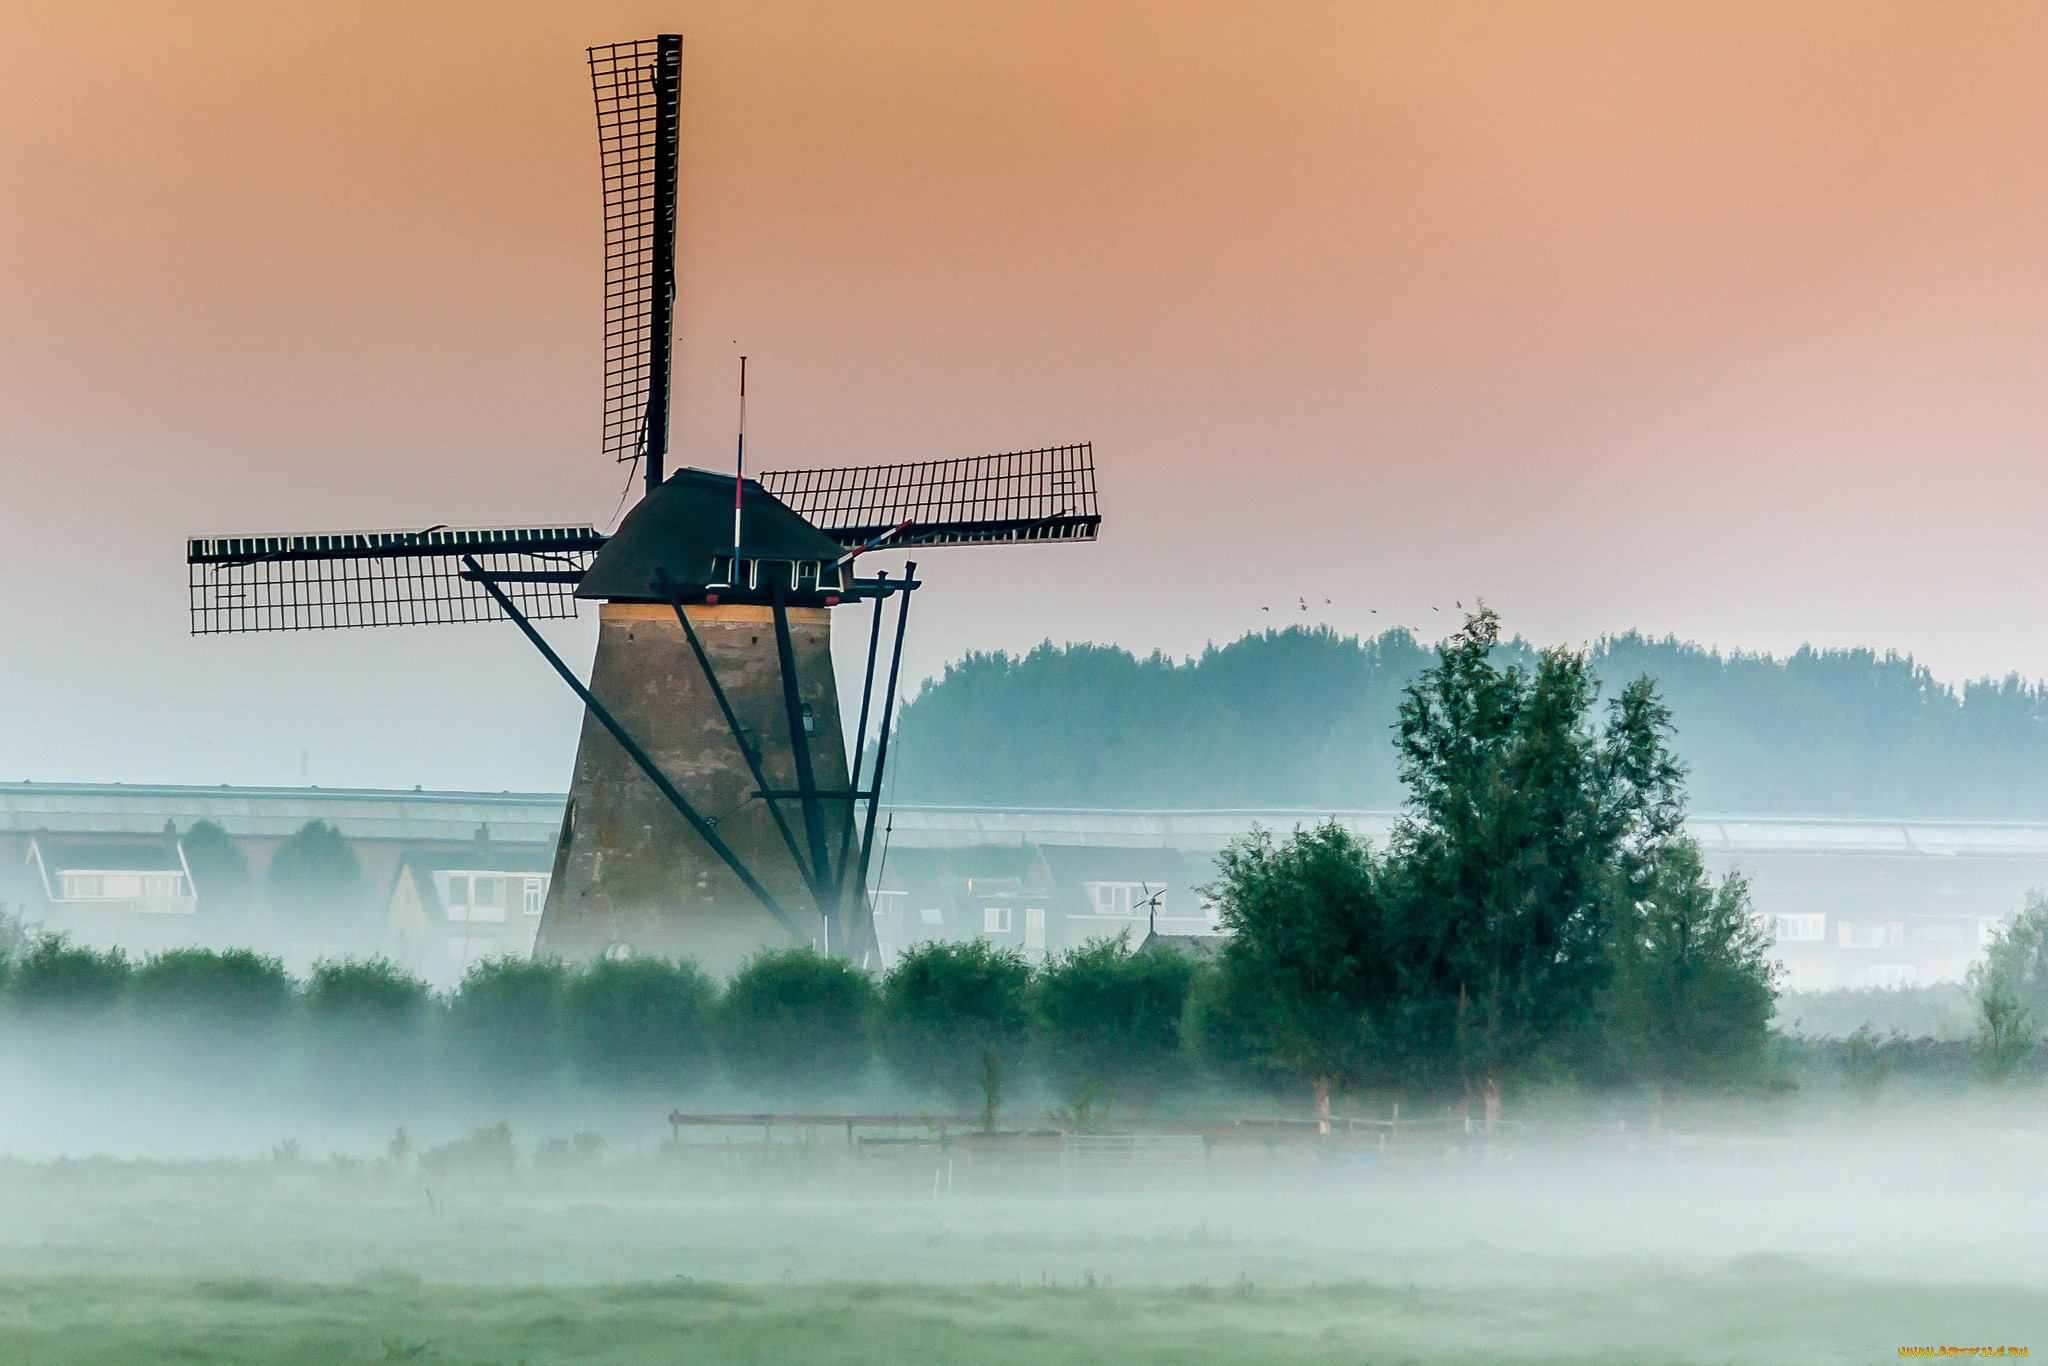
1832,1242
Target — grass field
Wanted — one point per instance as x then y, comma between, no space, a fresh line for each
1761,1313
1818,1252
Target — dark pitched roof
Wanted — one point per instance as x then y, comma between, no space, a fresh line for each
1197,946
482,858
73,855
682,525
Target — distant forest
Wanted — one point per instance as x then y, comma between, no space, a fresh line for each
1302,718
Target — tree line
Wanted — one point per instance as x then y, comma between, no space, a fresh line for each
963,1023
1300,718
1539,915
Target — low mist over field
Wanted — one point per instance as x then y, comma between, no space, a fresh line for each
283,1217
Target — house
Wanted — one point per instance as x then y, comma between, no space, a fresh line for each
1099,891
451,907
133,892
954,894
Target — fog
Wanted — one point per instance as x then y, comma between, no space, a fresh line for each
158,1203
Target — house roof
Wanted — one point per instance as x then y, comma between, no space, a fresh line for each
1197,946
481,858
922,869
1069,866
62,855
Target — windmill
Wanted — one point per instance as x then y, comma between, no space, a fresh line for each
712,810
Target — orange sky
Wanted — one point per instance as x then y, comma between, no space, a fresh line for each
1726,320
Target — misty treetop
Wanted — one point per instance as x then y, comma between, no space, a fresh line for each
1301,719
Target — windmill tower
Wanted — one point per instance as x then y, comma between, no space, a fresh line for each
713,808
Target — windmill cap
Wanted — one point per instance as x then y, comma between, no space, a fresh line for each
682,532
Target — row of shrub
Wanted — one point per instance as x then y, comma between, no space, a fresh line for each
956,1022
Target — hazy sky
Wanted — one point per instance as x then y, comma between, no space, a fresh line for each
1728,320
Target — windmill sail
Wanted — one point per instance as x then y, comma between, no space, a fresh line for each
638,93
1041,495
382,578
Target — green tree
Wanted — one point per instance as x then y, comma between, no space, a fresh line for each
635,1023
55,978
797,1023
2011,987
1108,1017
220,876
1540,855
946,1008
504,1020
2018,953
1308,980
236,991
1692,992
316,881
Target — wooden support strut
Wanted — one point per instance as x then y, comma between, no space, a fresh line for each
639,756
800,749
860,737
867,841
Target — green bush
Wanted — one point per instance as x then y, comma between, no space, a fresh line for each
238,990
504,1020
53,976
364,1017
1111,1018
639,1022
945,1007
796,1023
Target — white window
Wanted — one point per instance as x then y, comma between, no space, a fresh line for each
163,886
932,915
1034,927
84,886
475,894
1801,929
995,920
1893,974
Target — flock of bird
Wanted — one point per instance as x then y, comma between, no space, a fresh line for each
1303,604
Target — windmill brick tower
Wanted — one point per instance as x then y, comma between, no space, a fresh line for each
716,806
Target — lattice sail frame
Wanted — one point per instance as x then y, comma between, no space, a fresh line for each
1041,495
636,139
243,584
